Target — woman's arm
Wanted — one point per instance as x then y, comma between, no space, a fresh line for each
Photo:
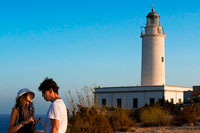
12,127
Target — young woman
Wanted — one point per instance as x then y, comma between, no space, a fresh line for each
21,119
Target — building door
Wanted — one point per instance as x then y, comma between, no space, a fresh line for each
119,102
103,102
135,103
152,101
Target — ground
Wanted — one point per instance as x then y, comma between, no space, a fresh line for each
181,129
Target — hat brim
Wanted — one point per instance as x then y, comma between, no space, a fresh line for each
30,92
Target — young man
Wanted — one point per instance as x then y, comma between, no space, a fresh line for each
56,119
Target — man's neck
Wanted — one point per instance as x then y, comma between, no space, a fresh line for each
54,97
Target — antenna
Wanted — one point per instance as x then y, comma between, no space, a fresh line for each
153,10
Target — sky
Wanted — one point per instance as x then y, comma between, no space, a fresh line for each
90,43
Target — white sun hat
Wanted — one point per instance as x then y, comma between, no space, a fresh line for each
24,91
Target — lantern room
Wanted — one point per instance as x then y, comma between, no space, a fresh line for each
153,19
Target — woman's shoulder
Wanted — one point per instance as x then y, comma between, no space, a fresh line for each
15,110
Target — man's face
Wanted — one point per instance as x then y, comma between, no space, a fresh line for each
46,95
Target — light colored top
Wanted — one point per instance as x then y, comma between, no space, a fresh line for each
58,111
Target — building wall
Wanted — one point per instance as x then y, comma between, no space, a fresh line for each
107,96
175,95
127,98
142,93
156,95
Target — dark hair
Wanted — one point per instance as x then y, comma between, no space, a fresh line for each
47,84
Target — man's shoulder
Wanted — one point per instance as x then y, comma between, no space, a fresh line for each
58,102
58,106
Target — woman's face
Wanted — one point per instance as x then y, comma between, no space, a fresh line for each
29,98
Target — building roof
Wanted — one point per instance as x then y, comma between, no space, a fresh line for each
101,87
160,88
196,92
152,14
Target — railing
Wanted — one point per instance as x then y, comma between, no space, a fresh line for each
142,30
159,31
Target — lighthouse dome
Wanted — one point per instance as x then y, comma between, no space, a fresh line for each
153,14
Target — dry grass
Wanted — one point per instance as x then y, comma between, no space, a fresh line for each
155,116
120,120
88,120
86,116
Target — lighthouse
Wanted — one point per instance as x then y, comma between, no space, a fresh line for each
153,87
153,51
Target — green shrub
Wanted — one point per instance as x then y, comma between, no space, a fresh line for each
120,119
155,116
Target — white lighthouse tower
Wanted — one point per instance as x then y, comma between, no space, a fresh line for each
153,52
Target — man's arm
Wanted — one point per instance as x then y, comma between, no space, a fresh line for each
54,126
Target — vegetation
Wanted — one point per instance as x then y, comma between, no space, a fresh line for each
89,120
120,119
155,116
190,114
86,116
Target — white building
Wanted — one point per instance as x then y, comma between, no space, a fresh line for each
153,85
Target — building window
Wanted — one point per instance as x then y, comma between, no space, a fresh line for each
135,103
119,102
172,100
152,101
103,102
179,100
159,30
162,59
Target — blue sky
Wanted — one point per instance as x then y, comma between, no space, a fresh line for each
90,43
